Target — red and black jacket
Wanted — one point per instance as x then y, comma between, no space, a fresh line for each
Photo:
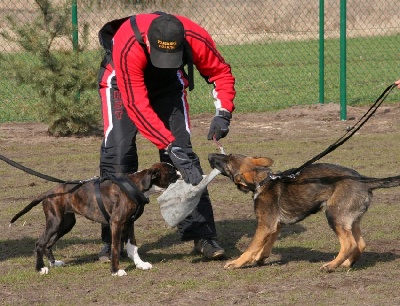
139,81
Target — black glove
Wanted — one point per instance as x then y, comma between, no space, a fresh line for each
219,125
184,165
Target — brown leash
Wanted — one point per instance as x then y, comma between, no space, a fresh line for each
219,145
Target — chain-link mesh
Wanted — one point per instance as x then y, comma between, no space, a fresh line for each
272,46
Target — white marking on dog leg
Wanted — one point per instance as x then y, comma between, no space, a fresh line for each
44,271
134,255
120,272
57,263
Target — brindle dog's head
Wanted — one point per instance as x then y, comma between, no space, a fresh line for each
246,172
156,178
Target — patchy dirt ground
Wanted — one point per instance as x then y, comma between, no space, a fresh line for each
179,276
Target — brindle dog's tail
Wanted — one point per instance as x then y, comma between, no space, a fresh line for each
387,182
29,207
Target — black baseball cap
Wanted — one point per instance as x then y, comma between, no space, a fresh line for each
166,36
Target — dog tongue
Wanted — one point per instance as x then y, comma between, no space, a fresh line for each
180,198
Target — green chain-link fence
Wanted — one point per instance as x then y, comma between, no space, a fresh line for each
272,46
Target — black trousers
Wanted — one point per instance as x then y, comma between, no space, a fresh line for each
119,154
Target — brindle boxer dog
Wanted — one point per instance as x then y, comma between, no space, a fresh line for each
342,192
62,202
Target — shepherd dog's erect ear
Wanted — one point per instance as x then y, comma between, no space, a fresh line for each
262,161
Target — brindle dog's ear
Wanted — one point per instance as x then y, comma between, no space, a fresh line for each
262,161
149,178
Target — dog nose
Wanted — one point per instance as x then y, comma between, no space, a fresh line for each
212,157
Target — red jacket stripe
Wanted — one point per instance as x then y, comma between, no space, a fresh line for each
144,126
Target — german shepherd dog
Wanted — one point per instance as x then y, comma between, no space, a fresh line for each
278,200
61,203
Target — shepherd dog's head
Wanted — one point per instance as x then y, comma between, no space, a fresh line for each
244,171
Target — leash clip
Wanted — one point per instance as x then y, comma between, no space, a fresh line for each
293,175
273,176
88,180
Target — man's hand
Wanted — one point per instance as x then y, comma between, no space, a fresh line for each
184,165
219,125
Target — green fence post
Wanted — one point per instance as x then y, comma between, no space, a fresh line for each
75,43
343,115
74,25
321,51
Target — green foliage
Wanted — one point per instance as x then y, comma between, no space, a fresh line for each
270,94
60,77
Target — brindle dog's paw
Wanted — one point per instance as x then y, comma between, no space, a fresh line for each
44,271
57,263
144,265
120,272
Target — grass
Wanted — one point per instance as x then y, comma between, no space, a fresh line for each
291,276
269,77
